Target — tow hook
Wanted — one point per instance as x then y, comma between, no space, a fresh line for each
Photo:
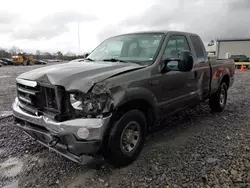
53,141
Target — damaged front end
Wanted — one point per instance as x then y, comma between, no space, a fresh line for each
96,103
77,129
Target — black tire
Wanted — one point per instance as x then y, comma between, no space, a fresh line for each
113,151
217,102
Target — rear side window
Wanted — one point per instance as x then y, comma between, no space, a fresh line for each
198,48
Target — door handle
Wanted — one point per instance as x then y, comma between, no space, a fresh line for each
195,74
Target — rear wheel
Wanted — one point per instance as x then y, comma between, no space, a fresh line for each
217,102
126,139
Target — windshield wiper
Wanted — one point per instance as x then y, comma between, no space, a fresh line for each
115,60
89,59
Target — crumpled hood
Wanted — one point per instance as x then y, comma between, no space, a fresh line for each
79,75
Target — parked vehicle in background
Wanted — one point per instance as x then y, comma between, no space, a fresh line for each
239,58
76,60
108,104
6,61
53,60
2,63
40,62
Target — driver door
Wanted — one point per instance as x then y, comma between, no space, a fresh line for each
177,87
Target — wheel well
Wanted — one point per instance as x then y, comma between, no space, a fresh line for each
139,104
226,79
142,105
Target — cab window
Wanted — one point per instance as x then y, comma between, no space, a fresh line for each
175,44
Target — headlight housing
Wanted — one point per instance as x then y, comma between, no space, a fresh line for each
92,103
88,103
76,101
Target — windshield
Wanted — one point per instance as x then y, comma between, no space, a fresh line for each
139,48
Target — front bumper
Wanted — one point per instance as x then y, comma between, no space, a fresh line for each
62,136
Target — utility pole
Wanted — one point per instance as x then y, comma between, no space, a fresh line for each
78,38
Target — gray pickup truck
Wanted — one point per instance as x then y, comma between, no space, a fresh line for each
106,105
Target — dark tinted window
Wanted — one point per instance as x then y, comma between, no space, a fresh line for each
198,48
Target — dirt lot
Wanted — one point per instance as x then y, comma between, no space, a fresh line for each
195,149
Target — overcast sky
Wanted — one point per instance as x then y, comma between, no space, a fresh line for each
52,25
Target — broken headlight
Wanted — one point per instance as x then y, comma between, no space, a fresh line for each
76,101
94,104
90,104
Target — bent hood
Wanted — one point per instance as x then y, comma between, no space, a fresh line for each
79,75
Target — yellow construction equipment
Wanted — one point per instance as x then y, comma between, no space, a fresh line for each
23,59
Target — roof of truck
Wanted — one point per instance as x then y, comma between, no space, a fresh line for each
156,31
232,39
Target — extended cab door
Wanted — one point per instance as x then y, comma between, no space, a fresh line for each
178,89
201,67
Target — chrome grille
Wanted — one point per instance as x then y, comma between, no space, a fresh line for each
50,97
36,99
27,92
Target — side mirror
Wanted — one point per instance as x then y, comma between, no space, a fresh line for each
184,63
187,62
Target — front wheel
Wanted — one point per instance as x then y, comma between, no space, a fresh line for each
217,102
126,139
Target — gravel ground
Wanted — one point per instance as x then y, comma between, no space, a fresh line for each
195,149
